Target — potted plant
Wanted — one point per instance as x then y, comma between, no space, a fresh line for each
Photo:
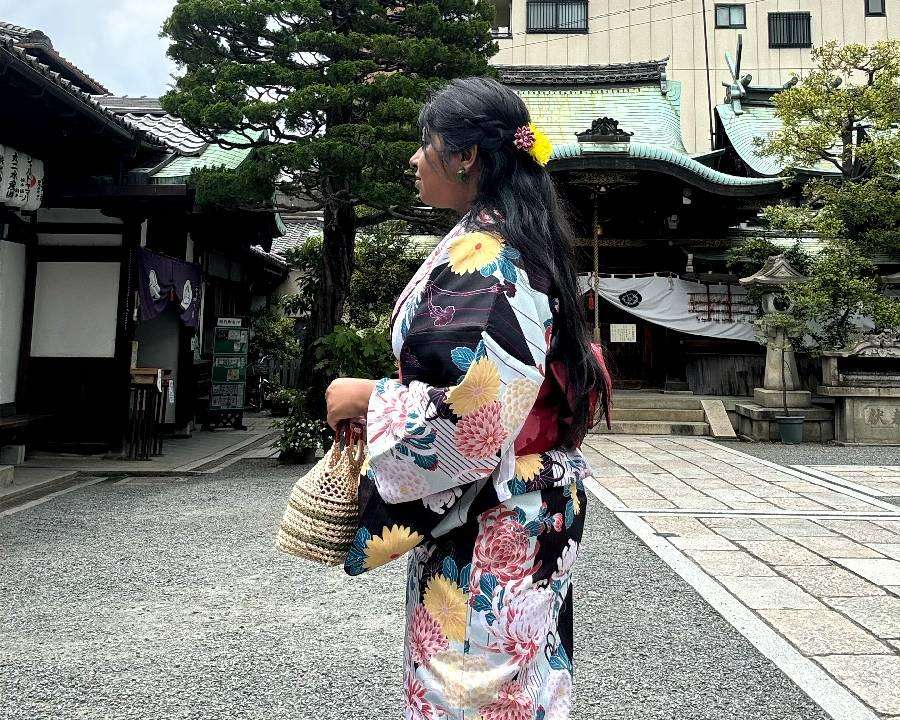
301,435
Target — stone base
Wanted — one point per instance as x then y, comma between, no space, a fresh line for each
7,473
775,398
867,420
12,455
757,423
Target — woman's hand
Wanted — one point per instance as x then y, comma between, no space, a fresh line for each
348,398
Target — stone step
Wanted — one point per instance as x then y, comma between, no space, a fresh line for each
642,401
659,414
6,475
650,427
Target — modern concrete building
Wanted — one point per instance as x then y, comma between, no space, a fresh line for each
693,34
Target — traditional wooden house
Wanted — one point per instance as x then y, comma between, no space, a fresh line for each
110,197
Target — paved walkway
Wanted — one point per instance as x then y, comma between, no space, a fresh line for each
710,585
204,451
805,562
163,598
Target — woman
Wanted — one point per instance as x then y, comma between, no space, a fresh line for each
472,455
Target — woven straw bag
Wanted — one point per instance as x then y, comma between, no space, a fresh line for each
322,513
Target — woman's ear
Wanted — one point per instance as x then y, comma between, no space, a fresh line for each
468,157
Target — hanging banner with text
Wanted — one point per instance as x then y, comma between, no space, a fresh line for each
713,310
21,180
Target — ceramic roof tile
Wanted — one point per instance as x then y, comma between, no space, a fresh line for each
296,233
650,70
147,114
35,40
178,169
8,44
170,130
642,109
757,121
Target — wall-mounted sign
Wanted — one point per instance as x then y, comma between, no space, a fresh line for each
229,373
623,333
21,179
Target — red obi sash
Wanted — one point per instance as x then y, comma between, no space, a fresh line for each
552,410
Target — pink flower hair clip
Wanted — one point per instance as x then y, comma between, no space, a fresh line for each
524,138
529,138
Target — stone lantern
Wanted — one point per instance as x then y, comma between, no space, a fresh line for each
776,274
757,419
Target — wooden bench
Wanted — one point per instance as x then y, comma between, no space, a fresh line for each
15,428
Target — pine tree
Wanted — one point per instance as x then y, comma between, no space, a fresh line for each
328,92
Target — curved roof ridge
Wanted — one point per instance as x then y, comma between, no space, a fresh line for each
667,156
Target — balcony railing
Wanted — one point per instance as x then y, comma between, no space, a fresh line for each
557,16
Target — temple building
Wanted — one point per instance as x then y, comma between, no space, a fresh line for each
653,223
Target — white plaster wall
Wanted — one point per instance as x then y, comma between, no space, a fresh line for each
12,297
75,309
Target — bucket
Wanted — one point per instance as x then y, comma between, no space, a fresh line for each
790,428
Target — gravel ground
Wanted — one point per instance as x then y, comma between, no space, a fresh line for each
163,598
817,454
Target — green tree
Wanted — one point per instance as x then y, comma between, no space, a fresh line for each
843,115
328,92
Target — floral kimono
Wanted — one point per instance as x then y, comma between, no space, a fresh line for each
460,472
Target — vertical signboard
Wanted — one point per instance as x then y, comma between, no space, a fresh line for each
229,373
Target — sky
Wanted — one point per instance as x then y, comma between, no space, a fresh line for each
114,41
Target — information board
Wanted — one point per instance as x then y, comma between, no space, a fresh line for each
229,373
622,333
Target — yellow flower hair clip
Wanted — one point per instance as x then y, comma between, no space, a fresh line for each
530,139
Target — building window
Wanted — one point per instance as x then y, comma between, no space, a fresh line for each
790,30
557,16
731,16
875,7
502,27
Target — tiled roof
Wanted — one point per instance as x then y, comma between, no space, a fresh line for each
757,121
147,114
179,168
171,131
16,31
668,157
642,109
297,231
36,40
8,44
647,71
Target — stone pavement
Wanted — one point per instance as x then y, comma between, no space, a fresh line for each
805,562
203,452
875,480
163,598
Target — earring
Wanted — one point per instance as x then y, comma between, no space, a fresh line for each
462,175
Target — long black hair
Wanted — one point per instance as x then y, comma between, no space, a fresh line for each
520,194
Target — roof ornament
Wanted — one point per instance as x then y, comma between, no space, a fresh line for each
736,90
604,130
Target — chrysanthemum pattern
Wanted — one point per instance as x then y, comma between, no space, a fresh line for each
489,621
479,435
425,637
400,480
466,681
518,399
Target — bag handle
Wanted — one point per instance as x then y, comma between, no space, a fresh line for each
349,434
